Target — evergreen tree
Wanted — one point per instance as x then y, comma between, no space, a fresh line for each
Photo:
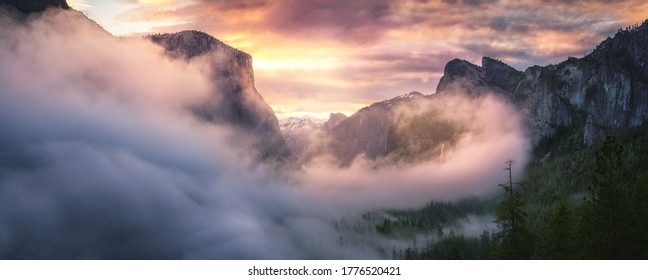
637,234
606,217
560,230
514,238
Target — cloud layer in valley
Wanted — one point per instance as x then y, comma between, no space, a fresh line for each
101,158
489,132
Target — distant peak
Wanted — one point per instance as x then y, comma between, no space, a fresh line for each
334,120
292,124
337,115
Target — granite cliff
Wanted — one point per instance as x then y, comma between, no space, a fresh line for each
603,92
234,99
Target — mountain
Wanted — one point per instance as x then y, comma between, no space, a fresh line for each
333,120
604,92
343,138
299,134
234,99
422,132
492,77
601,93
307,139
34,6
366,131
297,124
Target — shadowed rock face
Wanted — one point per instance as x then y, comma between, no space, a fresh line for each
234,99
34,6
333,121
492,77
602,92
366,132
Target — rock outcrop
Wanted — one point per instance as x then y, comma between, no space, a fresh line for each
603,92
366,132
492,77
333,121
234,99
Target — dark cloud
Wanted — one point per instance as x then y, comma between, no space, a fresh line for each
355,22
470,2
406,62
351,21
233,5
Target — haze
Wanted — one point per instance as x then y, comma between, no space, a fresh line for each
316,57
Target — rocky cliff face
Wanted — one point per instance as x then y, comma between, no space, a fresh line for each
234,99
333,121
603,92
421,132
366,131
492,77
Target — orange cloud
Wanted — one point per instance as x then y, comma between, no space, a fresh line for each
311,53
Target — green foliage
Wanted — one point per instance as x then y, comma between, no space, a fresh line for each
453,247
637,233
610,223
605,223
559,241
560,169
430,219
514,238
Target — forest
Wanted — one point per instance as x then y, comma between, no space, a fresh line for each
574,202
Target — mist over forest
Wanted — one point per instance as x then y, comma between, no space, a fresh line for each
161,147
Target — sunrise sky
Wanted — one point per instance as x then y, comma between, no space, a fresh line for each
316,57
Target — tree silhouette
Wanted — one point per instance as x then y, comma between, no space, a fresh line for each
605,222
560,233
513,236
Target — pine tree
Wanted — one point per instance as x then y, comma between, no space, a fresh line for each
637,233
559,241
514,238
605,223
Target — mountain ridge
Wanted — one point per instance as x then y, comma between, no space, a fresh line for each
234,99
602,92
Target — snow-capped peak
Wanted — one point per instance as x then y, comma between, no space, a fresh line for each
291,124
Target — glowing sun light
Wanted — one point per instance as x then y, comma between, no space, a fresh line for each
78,5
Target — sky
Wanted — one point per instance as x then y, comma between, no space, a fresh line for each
101,153
312,58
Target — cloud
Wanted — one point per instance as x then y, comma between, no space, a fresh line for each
333,49
100,157
490,134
